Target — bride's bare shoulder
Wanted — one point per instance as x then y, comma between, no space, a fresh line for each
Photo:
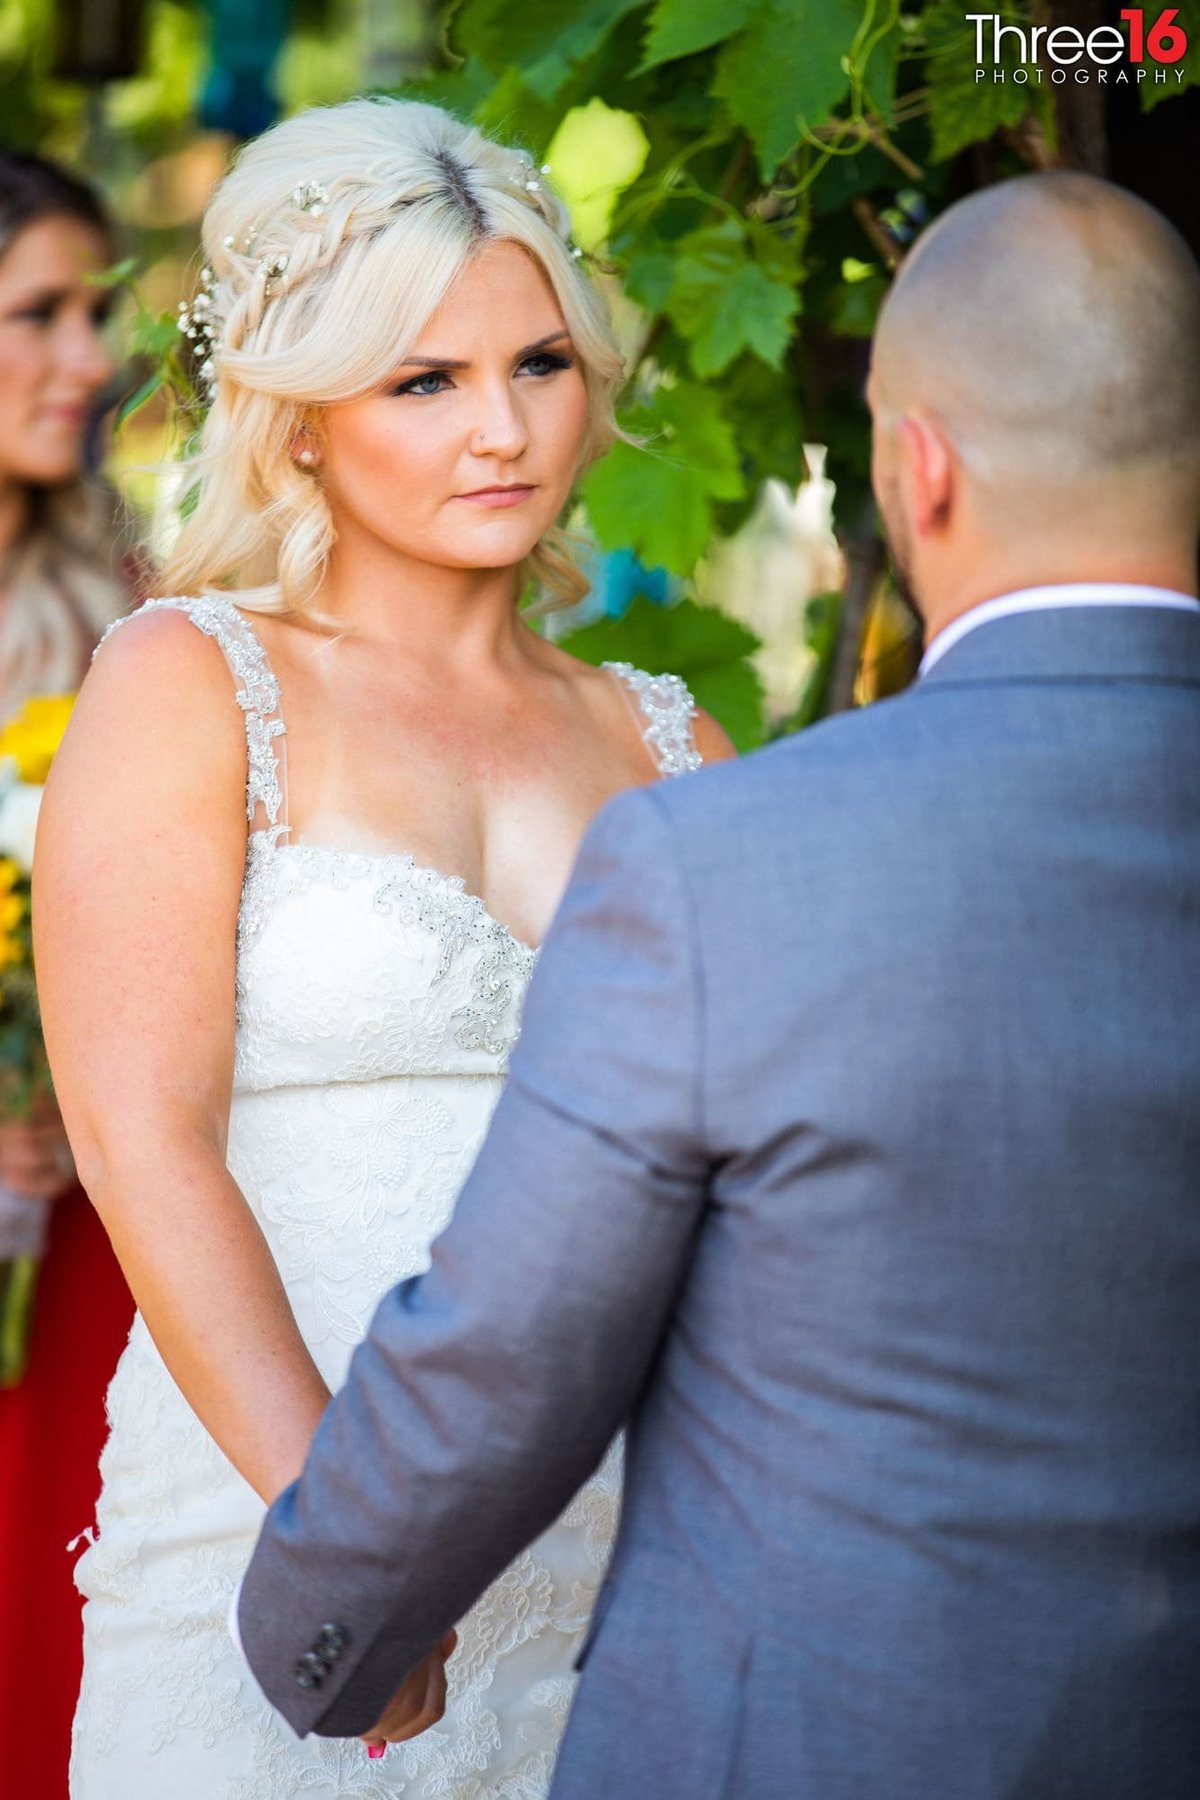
171,649
162,689
167,627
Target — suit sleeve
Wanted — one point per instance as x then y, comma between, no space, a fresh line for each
487,1391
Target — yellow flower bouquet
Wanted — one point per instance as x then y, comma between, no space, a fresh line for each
27,747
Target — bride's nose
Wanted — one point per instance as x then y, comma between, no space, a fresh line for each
499,426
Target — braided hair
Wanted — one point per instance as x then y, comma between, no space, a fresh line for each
328,246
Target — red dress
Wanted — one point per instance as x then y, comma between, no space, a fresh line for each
52,1428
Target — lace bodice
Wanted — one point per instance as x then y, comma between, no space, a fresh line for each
471,962
377,1003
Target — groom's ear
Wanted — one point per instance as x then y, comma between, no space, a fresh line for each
928,473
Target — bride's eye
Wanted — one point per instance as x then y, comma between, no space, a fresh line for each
419,383
546,362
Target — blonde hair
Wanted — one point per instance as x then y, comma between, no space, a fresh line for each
407,196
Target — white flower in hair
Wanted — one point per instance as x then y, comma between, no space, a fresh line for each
197,321
310,197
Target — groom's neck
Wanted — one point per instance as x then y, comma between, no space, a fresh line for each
948,592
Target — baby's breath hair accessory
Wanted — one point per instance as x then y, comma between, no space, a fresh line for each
275,269
529,178
529,175
310,197
197,317
198,324
251,238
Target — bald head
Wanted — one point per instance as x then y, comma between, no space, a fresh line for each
1051,325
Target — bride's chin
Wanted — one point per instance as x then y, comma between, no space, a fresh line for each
482,556
495,544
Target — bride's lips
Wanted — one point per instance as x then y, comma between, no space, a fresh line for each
510,495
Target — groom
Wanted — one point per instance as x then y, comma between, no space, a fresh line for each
851,1154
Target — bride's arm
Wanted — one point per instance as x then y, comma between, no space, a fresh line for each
140,854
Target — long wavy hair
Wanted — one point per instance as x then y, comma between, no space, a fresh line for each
64,579
317,298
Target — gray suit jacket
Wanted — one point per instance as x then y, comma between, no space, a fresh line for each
851,1154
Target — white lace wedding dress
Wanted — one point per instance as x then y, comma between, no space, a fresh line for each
376,1005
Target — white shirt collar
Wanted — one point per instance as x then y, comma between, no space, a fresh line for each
1078,593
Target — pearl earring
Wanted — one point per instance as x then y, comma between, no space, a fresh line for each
307,457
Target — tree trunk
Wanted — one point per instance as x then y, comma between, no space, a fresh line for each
1079,110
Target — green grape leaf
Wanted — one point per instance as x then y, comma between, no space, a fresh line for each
697,428
767,418
707,648
658,500
787,66
1151,93
653,504
963,111
507,109
546,39
845,177
596,153
681,27
154,334
116,275
735,698
466,91
648,278
725,302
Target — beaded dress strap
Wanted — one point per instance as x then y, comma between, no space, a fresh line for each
668,708
257,694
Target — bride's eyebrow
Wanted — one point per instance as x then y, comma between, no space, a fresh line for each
448,362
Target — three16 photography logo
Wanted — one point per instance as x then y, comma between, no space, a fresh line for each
1146,47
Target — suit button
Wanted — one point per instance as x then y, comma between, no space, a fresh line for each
331,1641
310,1670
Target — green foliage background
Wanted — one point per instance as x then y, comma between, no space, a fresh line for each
746,175
793,148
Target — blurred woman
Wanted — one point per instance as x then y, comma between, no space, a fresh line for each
61,582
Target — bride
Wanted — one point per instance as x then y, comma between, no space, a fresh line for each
305,832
